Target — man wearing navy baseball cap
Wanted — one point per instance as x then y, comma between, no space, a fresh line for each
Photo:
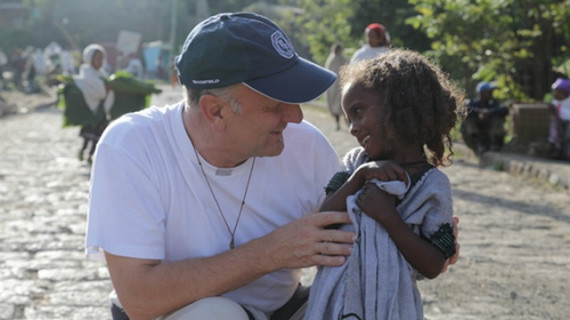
202,209
484,127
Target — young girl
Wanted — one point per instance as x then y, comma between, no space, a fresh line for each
402,109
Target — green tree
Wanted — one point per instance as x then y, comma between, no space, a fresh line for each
324,22
514,42
318,25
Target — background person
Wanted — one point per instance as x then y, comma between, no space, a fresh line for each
173,75
484,127
334,62
98,96
559,130
17,65
377,43
3,63
135,66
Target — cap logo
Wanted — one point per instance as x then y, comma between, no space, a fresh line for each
282,45
205,82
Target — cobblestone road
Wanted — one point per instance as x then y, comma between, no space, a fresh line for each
515,234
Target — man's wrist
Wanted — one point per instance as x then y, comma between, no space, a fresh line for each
262,255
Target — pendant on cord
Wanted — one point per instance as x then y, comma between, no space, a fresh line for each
231,231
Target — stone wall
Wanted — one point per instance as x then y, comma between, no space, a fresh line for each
530,122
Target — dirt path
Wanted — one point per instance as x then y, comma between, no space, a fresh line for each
515,253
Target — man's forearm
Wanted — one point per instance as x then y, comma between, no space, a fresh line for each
148,288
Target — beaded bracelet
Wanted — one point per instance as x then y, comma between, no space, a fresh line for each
444,240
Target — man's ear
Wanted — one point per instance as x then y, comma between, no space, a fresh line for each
212,108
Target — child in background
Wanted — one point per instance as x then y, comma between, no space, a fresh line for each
559,130
402,109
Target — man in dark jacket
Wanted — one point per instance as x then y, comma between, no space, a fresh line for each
484,127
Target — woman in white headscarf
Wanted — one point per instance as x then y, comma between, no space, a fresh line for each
97,94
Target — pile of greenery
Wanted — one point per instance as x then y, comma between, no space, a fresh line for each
131,95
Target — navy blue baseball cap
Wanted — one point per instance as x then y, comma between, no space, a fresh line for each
248,48
485,86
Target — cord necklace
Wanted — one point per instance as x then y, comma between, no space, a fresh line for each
232,232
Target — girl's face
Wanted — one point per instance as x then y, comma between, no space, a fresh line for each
364,110
559,94
97,60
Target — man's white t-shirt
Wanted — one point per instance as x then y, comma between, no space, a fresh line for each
149,198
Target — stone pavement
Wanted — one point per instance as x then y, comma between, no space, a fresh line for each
514,232
43,202
556,173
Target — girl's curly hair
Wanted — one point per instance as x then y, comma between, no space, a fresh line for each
421,104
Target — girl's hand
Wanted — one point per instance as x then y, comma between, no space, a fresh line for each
377,204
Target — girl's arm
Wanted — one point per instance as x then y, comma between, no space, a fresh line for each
382,170
419,252
336,201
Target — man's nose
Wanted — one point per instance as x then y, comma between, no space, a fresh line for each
292,113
